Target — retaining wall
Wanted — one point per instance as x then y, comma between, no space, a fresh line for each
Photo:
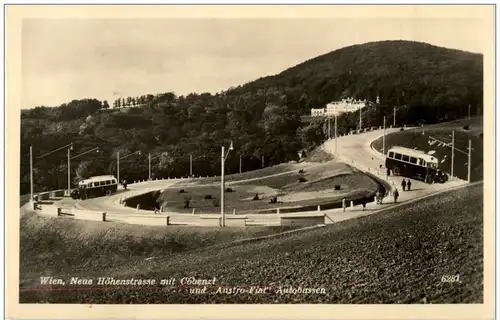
302,221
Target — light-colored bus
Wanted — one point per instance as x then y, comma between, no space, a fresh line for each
414,164
95,186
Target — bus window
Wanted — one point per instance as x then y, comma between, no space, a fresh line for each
421,162
391,154
413,160
397,156
406,158
113,181
107,182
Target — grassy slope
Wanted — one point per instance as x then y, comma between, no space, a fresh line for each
399,254
414,138
60,246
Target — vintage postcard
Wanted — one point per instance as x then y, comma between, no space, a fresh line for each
198,160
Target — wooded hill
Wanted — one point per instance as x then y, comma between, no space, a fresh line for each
262,118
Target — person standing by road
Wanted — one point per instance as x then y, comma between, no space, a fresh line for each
403,184
395,193
363,202
408,184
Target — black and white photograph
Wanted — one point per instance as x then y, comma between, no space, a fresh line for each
241,155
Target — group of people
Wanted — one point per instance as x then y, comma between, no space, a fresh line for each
406,184
381,194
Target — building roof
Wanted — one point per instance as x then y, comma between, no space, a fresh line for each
414,153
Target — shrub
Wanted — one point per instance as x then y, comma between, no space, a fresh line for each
337,187
301,171
229,190
208,196
466,127
182,191
256,197
302,179
401,129
215,202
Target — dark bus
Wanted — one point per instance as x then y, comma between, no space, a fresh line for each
414,164
95,187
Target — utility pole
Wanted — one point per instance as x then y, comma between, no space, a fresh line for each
336,142
452,150
69,171
469,113
262,161
394,117
329,128
383,140
222,160
118,166
360,125
31,174
240,163
191,165
469,161
149,161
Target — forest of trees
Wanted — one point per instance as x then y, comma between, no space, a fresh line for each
263,118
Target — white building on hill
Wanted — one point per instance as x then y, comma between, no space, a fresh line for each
338,107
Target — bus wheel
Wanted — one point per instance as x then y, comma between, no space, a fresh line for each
428,179
108,192
444,178
396,171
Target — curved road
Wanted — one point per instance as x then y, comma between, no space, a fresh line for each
354,150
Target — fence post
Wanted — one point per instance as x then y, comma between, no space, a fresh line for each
278,211
168,220
234,212
104,216
319,207
193,210
59,211
352,204
138,207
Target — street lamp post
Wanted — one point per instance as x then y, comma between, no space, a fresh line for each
222,190
336,137
118,162
190,165
118,166
40,157
453,149
383,140
150,159
69,171
394,117
329,129
31,174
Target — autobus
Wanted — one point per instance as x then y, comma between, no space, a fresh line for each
95,187
414,164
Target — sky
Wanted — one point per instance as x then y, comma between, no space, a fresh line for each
66,59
